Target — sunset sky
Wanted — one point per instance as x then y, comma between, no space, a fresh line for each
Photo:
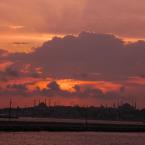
86,52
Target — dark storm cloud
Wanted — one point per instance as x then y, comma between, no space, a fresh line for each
10,71
102,56
14,68
14,90
18,87
3,54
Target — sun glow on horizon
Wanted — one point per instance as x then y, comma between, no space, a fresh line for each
25,42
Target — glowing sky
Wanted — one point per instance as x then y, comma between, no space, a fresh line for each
29,23
98,64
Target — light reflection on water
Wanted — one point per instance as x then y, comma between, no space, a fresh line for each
71,138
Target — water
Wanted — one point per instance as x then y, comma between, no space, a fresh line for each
71,138
30,119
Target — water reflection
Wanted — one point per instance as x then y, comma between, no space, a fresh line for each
71,138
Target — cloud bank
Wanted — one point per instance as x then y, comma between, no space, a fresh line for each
90,57
88,54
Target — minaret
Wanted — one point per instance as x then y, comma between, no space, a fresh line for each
135,105
49,102
118,103
10,107
34,103
45,102
39,102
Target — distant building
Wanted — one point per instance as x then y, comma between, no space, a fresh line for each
41,106
127,107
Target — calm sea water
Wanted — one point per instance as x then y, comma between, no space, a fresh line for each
71,138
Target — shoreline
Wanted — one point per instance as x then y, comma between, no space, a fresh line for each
24,126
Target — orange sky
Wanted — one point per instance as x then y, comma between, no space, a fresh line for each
27,42
26,25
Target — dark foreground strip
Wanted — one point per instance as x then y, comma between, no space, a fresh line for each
53,126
